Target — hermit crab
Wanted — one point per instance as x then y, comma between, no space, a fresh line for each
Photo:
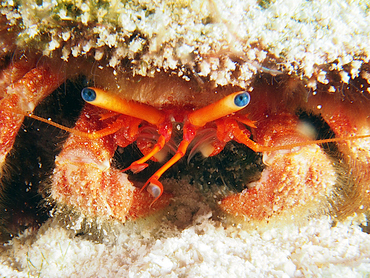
303,175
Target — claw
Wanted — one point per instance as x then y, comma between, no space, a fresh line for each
136,167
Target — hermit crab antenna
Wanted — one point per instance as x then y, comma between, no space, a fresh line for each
226,106
113,102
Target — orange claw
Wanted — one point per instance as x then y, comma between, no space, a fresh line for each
136,167
139,165
84,180
293,184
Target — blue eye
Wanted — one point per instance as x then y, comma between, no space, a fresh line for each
88,94
242,99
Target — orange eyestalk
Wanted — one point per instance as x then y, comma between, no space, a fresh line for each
226,106
109,101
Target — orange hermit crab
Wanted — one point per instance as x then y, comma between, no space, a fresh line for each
98,133
300,178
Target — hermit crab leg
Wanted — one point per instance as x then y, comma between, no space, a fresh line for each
155,187
14,73
196,120
19,99
140,164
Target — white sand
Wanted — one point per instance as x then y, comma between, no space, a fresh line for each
160,246
201,250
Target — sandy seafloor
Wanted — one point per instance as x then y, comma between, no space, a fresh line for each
185,241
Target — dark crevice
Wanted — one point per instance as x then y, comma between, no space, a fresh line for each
31,161
234,167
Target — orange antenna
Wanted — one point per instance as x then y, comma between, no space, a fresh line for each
62,127
314,142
